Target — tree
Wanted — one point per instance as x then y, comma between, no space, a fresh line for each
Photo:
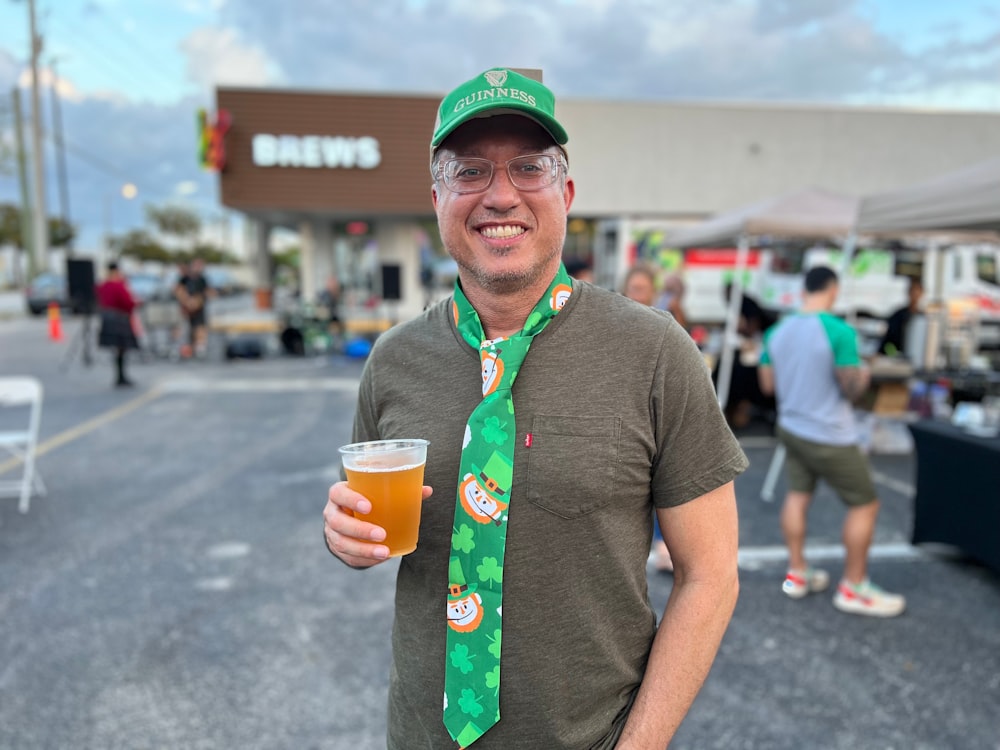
139,245
61,232
10,225
175,221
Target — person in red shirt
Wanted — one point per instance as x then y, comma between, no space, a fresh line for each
115,304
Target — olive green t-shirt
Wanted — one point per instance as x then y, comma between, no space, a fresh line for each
615,413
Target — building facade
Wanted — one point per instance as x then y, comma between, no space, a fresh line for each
350,173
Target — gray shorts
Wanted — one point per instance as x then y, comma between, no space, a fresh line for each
843,467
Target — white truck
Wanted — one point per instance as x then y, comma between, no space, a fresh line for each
963,278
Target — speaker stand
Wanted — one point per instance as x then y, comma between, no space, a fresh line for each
80,344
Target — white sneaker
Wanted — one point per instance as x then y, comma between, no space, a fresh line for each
866,598
798,583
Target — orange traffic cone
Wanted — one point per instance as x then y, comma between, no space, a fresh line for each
55,322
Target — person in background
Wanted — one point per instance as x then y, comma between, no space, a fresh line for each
192,292
115,304
894,340
744,389
329,300
672,298
640,286
811,363
536,539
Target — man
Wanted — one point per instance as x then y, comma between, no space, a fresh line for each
894,340
192,292
810,362
575,456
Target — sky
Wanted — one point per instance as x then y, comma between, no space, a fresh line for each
130,75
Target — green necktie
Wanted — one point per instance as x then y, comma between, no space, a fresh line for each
479,534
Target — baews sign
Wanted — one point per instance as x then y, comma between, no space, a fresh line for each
316,151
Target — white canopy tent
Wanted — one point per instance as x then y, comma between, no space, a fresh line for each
811,213
959,206
964,200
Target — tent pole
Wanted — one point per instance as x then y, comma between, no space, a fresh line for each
847,254
732,320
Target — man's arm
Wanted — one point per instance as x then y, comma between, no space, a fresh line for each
853,381
703,538
765,379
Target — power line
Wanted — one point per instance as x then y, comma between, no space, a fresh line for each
143,54
111,58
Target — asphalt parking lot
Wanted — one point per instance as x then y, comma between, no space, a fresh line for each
173,591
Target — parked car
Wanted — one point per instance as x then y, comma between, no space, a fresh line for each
46,288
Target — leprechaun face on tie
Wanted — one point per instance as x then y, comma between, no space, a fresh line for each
504,240
478,503
560,296
492,372
464,615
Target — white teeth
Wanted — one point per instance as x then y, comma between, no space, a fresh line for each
498,233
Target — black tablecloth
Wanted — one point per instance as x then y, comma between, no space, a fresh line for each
958,490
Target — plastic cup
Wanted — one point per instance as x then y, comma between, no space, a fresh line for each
390,473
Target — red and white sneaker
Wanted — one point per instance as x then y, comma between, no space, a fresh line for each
866,598
798,583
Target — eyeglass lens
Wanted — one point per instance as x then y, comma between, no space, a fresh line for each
471,175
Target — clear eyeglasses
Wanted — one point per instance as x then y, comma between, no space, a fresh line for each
471,175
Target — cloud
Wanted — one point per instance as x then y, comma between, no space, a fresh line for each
790,50
46,78
186,188
219,56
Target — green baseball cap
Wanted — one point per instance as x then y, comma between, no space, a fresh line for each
498,91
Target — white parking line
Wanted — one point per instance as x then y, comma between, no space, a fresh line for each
896,485
90,425
754,557
244,385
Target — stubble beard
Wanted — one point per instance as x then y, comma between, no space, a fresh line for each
509,281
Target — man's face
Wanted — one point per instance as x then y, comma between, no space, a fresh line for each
504,240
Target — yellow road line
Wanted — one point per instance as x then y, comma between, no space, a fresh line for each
89,426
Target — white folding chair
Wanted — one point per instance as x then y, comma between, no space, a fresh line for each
22,391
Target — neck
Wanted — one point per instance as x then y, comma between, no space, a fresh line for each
815,303
504,314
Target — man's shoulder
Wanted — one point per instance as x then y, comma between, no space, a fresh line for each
612,306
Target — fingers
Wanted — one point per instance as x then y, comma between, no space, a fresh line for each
427,492
347,534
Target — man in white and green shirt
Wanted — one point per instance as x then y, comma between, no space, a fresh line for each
810,362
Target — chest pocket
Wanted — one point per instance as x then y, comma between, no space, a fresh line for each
572,463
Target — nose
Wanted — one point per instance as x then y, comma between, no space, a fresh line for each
501,195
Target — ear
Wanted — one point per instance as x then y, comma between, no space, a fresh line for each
569,193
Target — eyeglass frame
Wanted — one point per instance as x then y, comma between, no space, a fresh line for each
438,169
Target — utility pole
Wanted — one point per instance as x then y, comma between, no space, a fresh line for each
60,154
22,174
41,229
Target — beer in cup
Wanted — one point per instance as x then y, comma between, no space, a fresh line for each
390,473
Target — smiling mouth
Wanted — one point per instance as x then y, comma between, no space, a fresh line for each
503,232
